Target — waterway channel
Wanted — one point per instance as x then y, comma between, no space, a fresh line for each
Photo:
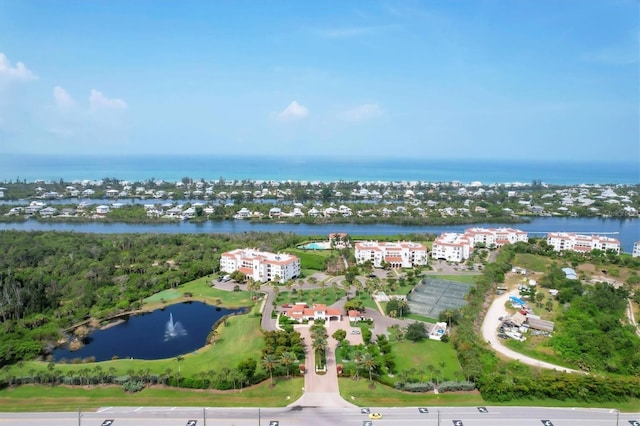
625,230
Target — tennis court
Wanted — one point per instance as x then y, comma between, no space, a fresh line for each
435,295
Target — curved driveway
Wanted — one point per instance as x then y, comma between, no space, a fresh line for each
489,333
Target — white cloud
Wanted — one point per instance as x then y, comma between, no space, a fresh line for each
362,113
62,98
19,71
99,101
293,112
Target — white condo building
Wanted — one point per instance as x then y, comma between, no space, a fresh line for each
397,255
568,241
261,265
636,249
496,236
454,247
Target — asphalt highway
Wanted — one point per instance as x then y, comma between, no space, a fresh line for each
309,416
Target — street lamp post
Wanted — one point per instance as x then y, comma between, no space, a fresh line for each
79,415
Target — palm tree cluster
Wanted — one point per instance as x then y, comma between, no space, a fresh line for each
319,341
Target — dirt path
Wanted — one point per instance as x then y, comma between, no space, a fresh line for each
631,316
489,333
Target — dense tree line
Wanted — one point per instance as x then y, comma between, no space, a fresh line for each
504,381
52,280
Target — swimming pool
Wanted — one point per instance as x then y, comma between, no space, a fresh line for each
314,246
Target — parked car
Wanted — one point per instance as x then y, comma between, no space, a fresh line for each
503,336
355,331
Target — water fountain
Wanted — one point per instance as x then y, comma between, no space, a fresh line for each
173,330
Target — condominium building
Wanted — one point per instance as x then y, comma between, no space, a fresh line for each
261,265
636,249
454,247
496,237
568,241
404,254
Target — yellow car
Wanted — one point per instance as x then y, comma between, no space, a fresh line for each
375,416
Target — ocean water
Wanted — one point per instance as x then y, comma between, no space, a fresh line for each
174,168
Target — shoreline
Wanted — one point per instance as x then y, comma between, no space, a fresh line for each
141,167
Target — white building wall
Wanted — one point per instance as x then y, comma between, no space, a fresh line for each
410,254
567,241
264,266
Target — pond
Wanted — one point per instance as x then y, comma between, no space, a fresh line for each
165,333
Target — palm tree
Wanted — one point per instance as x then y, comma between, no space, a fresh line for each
269,362
224,374
319,345
286,359
57,375
421,374
203,376
167,375
112,373
240,377
402,306
179,358
431,369
357,356
211,374
436,373
442,365
369,362
97,370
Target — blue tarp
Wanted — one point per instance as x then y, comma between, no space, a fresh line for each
517,300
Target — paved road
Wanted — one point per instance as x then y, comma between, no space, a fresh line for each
347,416
321,390
489,333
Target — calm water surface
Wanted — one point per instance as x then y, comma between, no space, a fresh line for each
145,336
626,230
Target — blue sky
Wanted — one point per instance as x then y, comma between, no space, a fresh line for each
480,79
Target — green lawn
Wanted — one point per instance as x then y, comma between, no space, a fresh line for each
466,278
315,260
422,318
367,300
419,355
60,398
201,289
532,262
329,297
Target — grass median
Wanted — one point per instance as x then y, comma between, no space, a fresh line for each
63,398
